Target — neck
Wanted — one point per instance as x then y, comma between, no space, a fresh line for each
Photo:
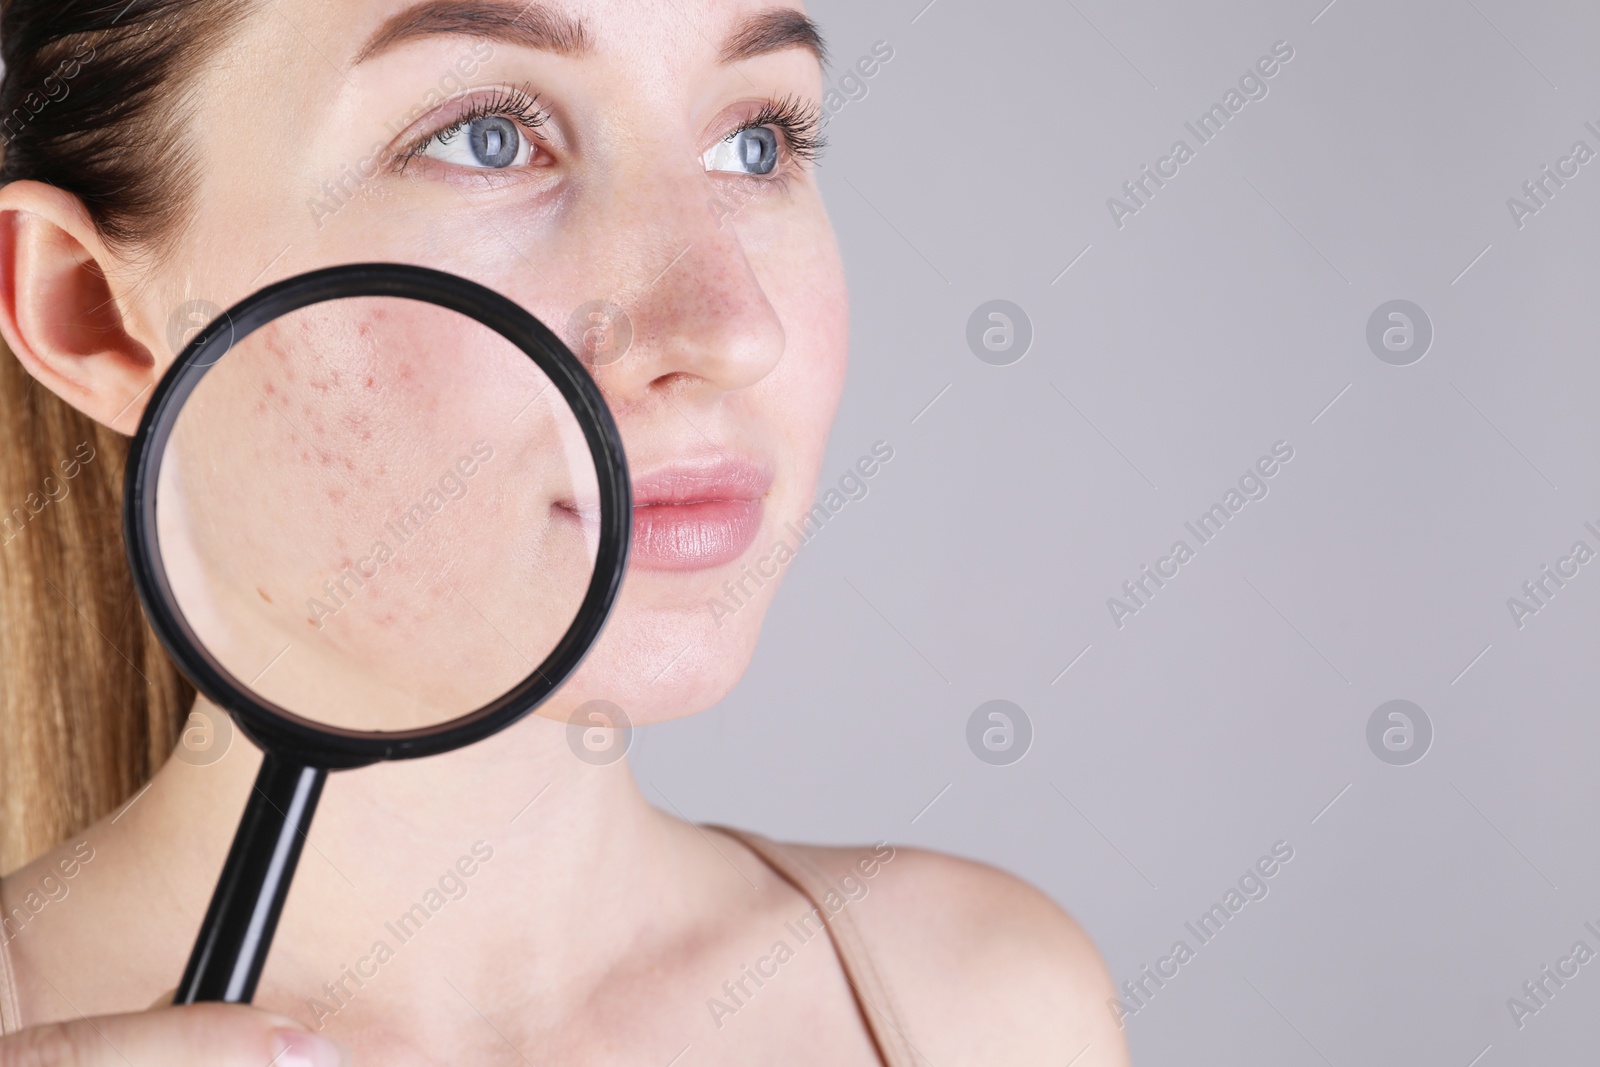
435,852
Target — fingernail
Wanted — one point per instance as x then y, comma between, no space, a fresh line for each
296,1048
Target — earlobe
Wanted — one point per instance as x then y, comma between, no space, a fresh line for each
57,310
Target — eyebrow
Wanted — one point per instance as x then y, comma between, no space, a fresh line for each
532,25
771,31
538,26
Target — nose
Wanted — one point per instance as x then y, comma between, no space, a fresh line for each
696,309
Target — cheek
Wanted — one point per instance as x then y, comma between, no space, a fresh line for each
802,395
339,400
324,464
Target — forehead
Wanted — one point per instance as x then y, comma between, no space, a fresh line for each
345,35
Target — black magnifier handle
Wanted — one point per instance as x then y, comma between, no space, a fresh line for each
233,942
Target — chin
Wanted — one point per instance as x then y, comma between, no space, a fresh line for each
659,663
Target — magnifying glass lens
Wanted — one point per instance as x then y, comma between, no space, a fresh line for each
377,514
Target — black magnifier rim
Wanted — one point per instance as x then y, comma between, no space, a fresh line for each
275,728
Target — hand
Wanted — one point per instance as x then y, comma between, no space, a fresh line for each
197,1035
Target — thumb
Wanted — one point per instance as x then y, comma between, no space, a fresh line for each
195,1035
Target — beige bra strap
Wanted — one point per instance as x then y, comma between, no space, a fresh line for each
872,994
10,1015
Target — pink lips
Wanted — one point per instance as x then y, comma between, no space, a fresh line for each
699,515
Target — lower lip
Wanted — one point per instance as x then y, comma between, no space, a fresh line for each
687,537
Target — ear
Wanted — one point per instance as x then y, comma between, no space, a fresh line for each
58,312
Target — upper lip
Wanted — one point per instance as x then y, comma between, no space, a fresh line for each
702,481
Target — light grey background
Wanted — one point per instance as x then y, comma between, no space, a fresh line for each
1223,317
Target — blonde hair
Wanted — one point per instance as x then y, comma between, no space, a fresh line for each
92,102
90,705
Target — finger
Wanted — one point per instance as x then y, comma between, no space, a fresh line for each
198,1035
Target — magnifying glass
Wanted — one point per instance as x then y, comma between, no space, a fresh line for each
374,512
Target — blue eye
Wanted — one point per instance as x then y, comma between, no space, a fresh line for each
493,142
749,151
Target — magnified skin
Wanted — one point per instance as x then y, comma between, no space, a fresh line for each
647,156
377,513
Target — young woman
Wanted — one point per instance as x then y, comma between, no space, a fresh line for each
168,155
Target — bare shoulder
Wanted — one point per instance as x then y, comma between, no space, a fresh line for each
984,968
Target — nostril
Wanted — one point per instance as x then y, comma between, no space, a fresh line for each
672,382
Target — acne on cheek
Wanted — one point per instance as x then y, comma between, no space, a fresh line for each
367,413
334,398
410,400
325,422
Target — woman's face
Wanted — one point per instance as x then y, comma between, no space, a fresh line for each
632,173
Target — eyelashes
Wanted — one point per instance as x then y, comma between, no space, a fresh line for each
518,103
798,121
